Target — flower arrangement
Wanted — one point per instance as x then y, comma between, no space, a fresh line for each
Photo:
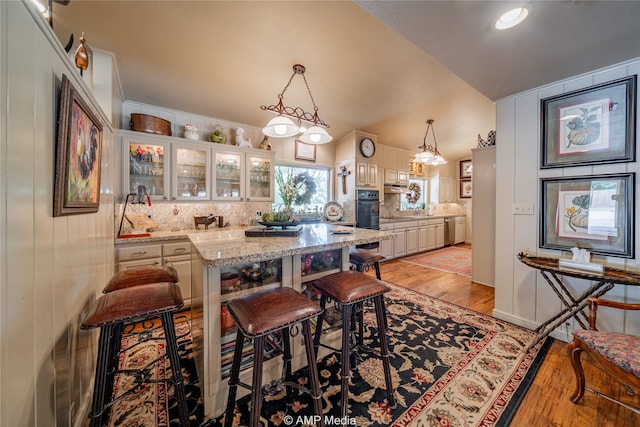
295,190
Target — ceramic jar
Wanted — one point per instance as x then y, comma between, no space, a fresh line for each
190,131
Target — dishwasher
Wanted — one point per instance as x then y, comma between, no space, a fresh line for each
449,230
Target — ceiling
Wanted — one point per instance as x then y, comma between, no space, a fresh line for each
383,67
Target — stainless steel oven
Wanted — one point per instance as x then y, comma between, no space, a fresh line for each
368,213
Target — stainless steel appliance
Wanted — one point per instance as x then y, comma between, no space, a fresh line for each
368,213
449,230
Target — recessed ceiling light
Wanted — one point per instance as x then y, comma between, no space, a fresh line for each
511,18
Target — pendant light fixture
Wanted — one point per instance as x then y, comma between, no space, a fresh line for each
283,126
430,154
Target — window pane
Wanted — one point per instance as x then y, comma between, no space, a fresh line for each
319,198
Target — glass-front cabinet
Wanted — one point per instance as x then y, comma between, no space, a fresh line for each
227,177
173,168
190,179
260,177
145,160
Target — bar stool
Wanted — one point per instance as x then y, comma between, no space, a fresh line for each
363,258
258,315
349,289
141,276
111,313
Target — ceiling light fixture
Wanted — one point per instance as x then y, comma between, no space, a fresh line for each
511,18
282,126
430,154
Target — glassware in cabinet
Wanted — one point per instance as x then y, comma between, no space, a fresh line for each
146,166
227,176
260,177
191,172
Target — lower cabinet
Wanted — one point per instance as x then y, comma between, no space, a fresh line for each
412,237
461,225
176,253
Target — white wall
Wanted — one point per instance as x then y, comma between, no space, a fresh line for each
522,294
50,268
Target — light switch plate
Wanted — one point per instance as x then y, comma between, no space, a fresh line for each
523,208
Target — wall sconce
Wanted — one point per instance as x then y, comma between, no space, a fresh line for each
283,126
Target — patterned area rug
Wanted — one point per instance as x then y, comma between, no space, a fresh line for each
452,259
450,366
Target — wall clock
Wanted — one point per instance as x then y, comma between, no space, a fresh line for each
367,147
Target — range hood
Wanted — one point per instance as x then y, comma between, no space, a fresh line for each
396,189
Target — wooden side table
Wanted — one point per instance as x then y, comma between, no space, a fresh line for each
574,305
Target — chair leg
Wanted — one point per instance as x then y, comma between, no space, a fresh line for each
376,265
345,358
102,391
256,382
234,379
574,353
176,373
314,379
384,349
320,319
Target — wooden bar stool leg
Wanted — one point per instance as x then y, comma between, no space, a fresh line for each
345,358
384,349
314,379
256,395
377,267
320,319
233,379
176,373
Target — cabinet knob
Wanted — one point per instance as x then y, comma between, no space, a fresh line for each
173,198
164,198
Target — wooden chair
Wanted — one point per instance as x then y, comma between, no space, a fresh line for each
616,353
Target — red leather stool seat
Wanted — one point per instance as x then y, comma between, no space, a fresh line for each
141,276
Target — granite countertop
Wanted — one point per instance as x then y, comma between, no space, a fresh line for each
417,217
229,246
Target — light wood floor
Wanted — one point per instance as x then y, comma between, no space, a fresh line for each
547,401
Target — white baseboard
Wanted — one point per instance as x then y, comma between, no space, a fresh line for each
561,333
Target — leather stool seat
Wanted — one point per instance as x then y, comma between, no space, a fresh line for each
111,313
258,315
350,290
141,276
363,258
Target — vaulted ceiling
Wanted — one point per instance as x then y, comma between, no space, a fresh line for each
383,67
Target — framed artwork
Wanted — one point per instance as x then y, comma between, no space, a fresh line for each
595,125
589,212
78,155
465,189
465,169
305,151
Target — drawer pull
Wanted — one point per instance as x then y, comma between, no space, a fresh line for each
156,262
139,253
179,250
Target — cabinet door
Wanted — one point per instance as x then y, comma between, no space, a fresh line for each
228,179
432,240
439,235
260,170
386,248
403,177
372,175
423,243
144,165
390,176
182,264
412,240
460,231
191,171
400,243
366,175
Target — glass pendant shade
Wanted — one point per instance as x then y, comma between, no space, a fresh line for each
315,135
280,127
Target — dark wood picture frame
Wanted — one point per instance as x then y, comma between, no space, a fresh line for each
465,189
594,212
305,151
466,168
78,155
596,125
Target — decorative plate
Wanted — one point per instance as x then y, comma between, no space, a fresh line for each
333,211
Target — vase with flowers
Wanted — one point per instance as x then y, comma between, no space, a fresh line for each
294,189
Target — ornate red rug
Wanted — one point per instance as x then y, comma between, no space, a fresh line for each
451,366
451,259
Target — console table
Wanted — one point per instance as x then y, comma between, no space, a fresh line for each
574,305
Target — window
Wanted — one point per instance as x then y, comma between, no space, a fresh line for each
419,202
321,178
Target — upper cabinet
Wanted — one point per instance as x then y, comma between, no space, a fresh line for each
176,169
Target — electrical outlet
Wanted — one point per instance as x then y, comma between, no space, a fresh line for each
259,213
523,208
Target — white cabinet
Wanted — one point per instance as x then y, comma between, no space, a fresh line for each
439,228
386,246
190,166
442,189
396,177
484,214
176,253
460,233
430,234
366,175
243,176
412,240
144,163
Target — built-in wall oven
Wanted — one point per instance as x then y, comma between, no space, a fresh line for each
368,213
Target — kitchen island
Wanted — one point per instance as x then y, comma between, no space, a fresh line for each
228,265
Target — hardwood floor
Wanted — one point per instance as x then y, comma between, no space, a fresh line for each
547,401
